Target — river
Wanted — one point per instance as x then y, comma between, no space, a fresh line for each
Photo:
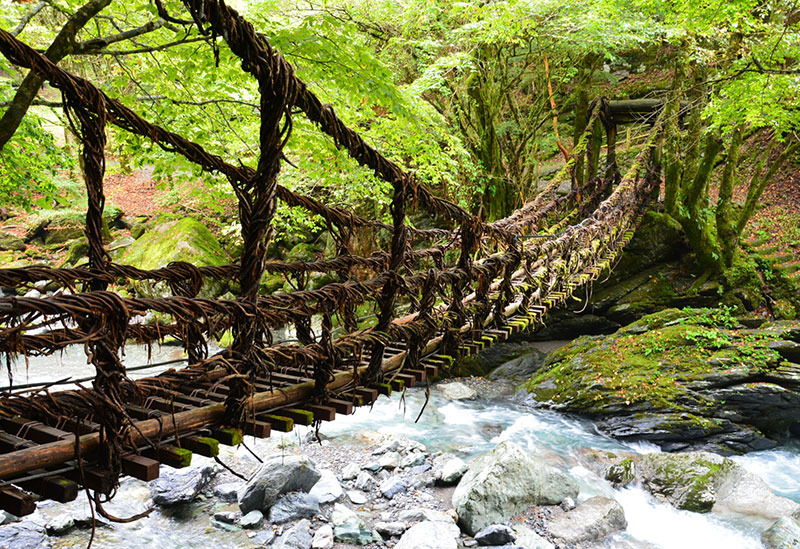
466,428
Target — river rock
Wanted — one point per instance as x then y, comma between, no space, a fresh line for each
293,506
389,460
783,534
359,498
593,519
297,537
390,529
453,470
327,489
228,491
351,471
323,537
412,459
348,527
430,535
504,482
529,539
789,350
364,481
422,514
520,368
701,481
457,391
495,534
392,486
277,476
176,486
251,519
228,517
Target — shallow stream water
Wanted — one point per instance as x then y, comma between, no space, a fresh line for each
466,428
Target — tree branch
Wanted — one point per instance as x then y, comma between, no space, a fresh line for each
27,18
98,44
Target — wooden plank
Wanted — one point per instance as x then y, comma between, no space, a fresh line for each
201,445
94,478
324,413
259,429
33,430
56,487
16,502
341,406
398,384
140,467
419,375
369,395
229,436
409,380
170,455
279,423
301,417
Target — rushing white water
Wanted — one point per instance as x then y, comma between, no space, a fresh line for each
467,428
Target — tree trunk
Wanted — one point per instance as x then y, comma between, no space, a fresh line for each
61,47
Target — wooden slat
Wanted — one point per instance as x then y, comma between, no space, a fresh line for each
140,467
324,413
341,406
56,487
201,445
16,502
171,455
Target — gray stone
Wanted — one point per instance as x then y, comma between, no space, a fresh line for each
421,514
263,538
412,459
228,517
392,486
277,476
521,368
323,537
374,467
741,491
389,460
60,525
783,534
504,482
453,470
251,519
177,486
327,489
348,526
593,519
529,539
568,504
297,537
228,491
430,535
495,534
457,391
350,471
364,481
293,506
789,350
359,498
390,529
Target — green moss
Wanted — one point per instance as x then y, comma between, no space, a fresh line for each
650,363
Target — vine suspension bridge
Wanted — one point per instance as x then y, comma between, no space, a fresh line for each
463,287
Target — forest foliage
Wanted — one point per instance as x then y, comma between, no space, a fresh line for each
480,98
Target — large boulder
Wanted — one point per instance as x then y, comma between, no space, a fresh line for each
430,535
783,534
504,482
9,242
278,475
680,378
593,519
703,482
455,390
174,487
348,527
185,240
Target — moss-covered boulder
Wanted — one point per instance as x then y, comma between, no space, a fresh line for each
184,240
62,225
682,378
9,242
701,482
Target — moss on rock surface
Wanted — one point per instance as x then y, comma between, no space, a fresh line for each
682,378
185,240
